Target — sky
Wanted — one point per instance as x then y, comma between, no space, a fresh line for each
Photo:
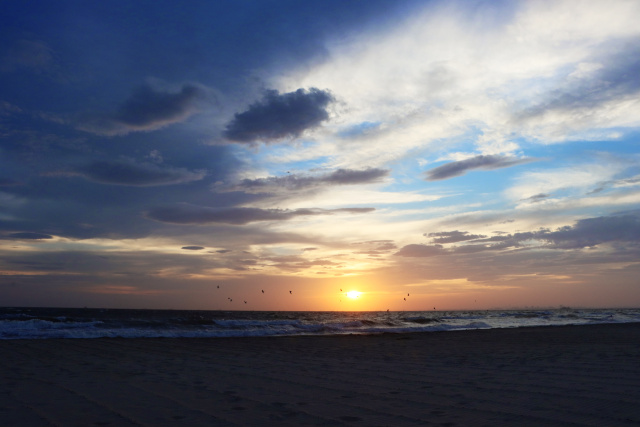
275,154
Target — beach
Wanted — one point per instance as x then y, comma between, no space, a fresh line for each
537,376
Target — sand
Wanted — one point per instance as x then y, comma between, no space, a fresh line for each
551,376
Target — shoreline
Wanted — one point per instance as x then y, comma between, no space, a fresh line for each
543,375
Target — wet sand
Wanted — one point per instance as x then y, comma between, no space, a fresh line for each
550,376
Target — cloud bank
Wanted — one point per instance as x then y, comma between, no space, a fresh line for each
586,233
295,182
135,174
29,236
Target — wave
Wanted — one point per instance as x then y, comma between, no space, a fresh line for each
92,323
422,320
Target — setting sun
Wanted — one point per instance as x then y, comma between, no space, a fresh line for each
353,294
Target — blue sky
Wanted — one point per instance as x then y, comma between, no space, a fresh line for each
474,154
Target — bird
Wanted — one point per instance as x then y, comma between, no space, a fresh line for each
245,302
218,286
405,299
263,291
289,291
407,294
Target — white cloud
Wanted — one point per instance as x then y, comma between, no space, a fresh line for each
446,71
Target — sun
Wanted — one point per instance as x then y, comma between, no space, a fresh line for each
353,294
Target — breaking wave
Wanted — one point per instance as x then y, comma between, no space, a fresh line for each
41,323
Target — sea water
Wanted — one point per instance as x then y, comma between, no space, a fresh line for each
41,323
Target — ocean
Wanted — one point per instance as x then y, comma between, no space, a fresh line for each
43,323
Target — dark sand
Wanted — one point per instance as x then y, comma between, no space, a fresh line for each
553,376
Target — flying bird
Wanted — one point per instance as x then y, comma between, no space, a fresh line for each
263,291
289,291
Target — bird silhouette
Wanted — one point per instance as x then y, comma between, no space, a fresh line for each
289,291
263,291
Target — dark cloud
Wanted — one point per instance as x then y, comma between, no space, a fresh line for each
29,236
192,248
349,176
184,213
293,263
127,172
617,183
279,116
8,182
385,245
293,182
536,197
375,247
420,251
347,210
453,236
461,167
147,109
33,55
590,232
